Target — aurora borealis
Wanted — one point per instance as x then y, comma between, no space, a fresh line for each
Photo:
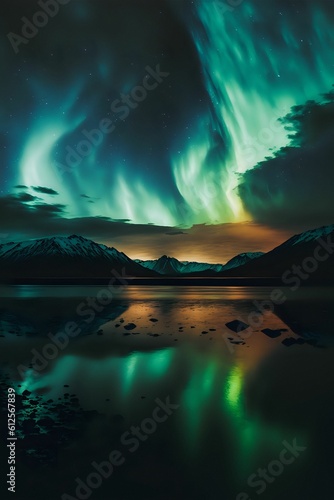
191,163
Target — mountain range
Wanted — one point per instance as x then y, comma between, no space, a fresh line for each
172,267
309,256
77,257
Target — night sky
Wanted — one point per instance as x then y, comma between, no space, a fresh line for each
230,149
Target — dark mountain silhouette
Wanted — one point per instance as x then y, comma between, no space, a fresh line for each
170,266
72,256
310,251
78,257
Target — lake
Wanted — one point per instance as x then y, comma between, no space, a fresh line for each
170,392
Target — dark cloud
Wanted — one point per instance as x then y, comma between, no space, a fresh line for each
55,209
44,190
25,197
121,220
175,233
42,220
295,188
206,243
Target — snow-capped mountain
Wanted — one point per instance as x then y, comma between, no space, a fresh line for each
78,257
311,235
171,266
241,259
312,252
61,256
71,246
199,267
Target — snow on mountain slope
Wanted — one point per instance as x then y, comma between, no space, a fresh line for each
241,259
65,256
197,267
164,265
71,246
170,265
295,254
311,235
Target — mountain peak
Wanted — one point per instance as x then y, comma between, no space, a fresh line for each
75,236
311,235
241,259
73,255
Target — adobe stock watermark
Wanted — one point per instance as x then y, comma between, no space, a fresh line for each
121,107
130,441
88,309
264,138
266,476
299,273
31,27
295,277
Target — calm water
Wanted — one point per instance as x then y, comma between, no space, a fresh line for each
240,398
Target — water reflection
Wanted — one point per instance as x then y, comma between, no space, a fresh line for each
236,406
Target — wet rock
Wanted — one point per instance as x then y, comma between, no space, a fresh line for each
237,325
289,341
273,334
130,326
299,341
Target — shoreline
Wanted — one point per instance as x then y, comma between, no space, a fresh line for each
166,281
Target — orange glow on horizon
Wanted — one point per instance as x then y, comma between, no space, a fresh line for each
213,244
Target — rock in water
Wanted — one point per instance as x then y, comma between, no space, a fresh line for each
237,326
130,326
273,334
